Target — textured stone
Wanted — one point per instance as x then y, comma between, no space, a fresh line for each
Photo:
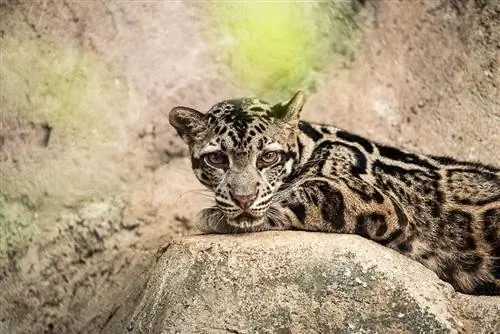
295,282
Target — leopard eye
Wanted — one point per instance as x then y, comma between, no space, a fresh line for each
217,159
268,158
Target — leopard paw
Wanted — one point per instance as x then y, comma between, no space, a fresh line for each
212,220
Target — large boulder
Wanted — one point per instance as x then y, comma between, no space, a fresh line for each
295,282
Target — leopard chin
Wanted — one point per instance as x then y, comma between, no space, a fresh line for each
245,221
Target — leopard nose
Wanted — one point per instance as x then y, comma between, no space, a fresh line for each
244,201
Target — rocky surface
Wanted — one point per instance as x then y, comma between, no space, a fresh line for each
295,282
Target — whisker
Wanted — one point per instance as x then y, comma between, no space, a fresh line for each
205,196
195,192
265,180
285,193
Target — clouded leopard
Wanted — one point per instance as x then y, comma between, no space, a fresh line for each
270,170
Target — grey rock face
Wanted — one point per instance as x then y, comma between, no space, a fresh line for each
295,282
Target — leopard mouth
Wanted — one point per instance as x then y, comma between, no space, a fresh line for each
246,220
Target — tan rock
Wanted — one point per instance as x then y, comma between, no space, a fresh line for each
295,282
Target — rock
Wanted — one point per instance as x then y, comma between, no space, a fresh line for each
295,282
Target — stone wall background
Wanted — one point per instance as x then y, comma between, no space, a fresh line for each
92,178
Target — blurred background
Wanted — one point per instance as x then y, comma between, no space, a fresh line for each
93,179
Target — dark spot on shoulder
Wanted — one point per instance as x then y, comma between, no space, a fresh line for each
404,247
332,208
450,161
401,173
309,131
323,150
381,230
435,207
350,137
329,200
299,210
402,224
448,271
396,154
459,217
379,198
456,226
487,289
495,269
491,230
271,222
470,261
325,130
426,255
366,192
370,221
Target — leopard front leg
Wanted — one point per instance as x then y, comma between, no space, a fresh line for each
212,220
315,205
328,205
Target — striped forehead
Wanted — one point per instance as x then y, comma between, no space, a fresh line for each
240,125
239,109
245,136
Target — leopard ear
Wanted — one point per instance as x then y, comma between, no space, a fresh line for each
290,111
188,122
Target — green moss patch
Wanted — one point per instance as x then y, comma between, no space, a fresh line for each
88,108
279,46
63,86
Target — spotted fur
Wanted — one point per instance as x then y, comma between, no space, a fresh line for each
436,210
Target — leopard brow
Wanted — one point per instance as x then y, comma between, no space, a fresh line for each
210,149
273,147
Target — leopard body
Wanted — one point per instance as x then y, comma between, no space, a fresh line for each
269,171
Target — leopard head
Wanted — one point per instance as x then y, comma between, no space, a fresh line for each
242,150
